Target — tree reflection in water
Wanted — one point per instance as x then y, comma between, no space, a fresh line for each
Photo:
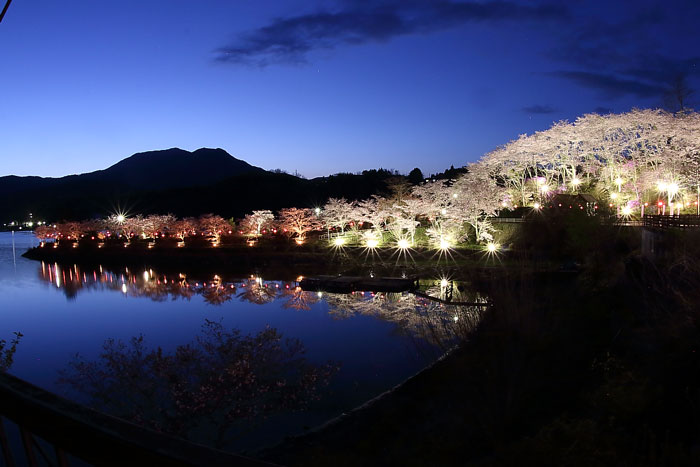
439,324
257,291
298,299
7,354
209,390
160,287
217,292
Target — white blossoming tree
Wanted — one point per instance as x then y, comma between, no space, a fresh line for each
253,224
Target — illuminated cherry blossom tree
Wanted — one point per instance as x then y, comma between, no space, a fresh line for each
157,224
632,158
45,232
213,225
184,227
253,224
299,222
337,213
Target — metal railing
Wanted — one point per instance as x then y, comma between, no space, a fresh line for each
330,235
683,221
74,430
621,221
506,220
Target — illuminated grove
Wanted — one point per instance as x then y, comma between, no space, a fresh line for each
632,164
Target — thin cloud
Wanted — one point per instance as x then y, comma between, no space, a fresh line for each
539,109
611,86
631,48
289,40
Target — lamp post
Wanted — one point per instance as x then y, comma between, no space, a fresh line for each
613,196
618,182
672,189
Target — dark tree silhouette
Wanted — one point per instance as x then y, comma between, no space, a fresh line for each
678,94
415,176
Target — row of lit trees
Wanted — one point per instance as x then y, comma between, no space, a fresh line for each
635,159
152,226
449,210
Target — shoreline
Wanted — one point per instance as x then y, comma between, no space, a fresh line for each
281,259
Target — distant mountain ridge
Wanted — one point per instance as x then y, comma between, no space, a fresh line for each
175,181
93,193
176,167
153,170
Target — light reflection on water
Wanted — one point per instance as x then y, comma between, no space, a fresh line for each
379,339
438,323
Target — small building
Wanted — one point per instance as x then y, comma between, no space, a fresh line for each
581,202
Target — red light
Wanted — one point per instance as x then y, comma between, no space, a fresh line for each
661,203
646,204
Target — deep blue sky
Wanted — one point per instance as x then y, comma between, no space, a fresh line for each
322,86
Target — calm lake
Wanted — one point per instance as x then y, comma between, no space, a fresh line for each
373,341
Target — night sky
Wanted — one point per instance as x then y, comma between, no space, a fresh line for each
321,87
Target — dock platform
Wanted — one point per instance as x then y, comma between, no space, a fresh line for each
345,284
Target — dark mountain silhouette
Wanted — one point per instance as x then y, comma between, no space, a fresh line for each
179,182
174,167
153,170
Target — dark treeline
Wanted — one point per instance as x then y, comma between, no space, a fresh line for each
182,183
233,197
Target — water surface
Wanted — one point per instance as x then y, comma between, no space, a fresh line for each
374,340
